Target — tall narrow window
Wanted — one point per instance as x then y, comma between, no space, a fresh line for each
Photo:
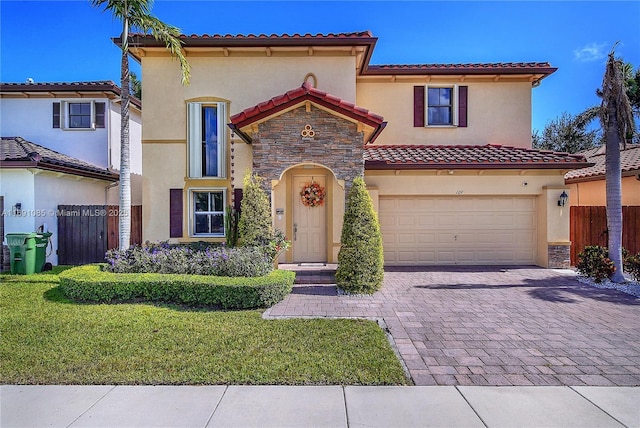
209,141
206,136
208,213
440,106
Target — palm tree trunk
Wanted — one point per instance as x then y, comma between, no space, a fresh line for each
614,193
124,235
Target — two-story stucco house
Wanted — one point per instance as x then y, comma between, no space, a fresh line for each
445,149
61,145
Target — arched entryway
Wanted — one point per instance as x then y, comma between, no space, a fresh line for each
314,229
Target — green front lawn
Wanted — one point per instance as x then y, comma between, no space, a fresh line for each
47,339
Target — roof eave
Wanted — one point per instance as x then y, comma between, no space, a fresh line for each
384,165
45,166
420,71
598,177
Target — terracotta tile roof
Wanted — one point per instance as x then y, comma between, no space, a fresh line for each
358,38
47,87
306,93
255,40
478,68
629,161
16,152
467,157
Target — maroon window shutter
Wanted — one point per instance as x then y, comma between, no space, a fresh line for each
175,213
462,106
237,198
56,115
418,106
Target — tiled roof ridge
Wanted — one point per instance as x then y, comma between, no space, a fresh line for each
76,83
468,156
305,89
37,153
629,163
338,35
464,65
473,146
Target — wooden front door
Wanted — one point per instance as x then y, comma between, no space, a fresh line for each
309,224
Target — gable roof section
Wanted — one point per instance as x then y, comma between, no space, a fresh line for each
59,89
16,152
467,157
629,162
364,40
300,95
255,40
478,68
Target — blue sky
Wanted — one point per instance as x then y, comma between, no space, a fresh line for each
70,40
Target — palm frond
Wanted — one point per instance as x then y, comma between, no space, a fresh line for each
167,34
614,94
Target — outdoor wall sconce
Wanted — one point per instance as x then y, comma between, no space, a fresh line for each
563,199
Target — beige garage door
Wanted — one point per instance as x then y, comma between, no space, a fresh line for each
458,230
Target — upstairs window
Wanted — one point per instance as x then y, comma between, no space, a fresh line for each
206,139
440,106
79,115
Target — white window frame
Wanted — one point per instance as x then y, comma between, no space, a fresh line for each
65,115
192,211
194,138
454,106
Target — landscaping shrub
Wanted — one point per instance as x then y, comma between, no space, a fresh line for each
594,262
91,283
632,265
360,260
167,259
254,226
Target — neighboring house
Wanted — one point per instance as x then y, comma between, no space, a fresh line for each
78,122
78,119
445,149
35,180
588,185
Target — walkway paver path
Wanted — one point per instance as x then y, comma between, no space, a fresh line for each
492,326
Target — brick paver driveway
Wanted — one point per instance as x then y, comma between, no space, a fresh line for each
492,326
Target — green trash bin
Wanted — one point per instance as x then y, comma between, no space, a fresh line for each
42,240
22,250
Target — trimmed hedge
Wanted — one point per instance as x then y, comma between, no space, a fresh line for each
91,283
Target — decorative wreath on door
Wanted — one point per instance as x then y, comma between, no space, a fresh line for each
312,194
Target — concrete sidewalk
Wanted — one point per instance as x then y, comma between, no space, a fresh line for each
318,406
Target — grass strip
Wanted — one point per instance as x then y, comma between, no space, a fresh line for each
49,339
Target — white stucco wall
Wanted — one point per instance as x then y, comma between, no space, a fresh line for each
32,120
135,138
40,193
17,186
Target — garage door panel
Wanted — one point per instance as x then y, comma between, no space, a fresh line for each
463,230
406,238
426,238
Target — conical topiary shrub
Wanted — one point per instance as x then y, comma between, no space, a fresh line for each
360,260
254,227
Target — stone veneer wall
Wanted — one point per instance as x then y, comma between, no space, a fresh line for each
559,256
336,144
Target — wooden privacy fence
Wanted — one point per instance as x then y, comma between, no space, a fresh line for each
589,227
86,232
